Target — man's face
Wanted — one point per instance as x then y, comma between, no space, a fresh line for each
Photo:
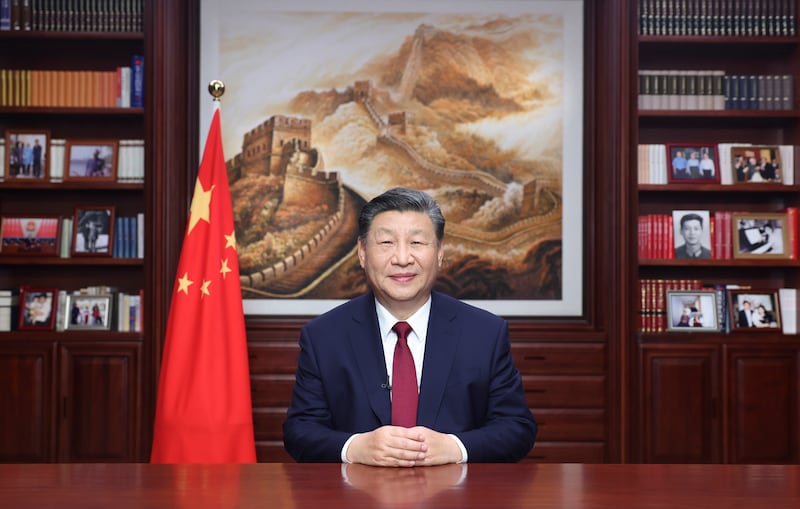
692,231
401,259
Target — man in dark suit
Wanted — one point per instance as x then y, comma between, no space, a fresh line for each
471,405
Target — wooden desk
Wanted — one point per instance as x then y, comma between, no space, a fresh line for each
272,485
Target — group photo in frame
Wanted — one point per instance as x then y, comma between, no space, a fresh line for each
37,308
91,160
93,230
760,235
692,311
88,312
754,310
696,163
754,164
30,235
27,153
692,234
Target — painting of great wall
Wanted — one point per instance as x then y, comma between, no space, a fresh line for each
469,108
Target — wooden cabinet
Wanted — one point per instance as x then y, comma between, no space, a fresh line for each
720,403
73,400
714,396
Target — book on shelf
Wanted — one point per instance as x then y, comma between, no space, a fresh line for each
137,81
787,299
742,18
680,89
70,88
9,309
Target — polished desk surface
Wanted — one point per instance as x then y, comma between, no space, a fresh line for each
273,485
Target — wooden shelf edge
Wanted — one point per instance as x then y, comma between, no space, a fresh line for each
72,186
719,39
750,262
86,261
52,110
722,188
83,335
74,35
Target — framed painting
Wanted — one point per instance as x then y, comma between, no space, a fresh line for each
754,310
91,160
93,230
30,235
27,153
756,164
760,235
692,163
478,103
692,311
37,308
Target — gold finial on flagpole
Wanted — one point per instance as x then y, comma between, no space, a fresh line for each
216,88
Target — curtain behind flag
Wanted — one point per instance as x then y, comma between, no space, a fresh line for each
204,411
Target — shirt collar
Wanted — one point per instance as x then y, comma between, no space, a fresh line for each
418,321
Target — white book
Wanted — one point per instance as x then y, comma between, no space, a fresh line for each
138,161
5,318
66,238
123,161
787,164
2,159
57,150
787,298
140,235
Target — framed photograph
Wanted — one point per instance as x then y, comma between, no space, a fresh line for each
753,164
26,154
692,311
692,163
30,235
37,308
91,160
692,234
93,230
760,235
88,312
754,310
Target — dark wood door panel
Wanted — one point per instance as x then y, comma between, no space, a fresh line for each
679,403
763,404
27,402
100,402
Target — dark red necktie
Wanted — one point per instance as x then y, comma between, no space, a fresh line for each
404,380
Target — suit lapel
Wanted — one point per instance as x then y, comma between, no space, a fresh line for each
440,352
365,341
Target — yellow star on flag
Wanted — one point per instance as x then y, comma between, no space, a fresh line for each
225,269
204,288
184,283
201,203
230,240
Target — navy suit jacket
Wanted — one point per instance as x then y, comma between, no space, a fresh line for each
470,386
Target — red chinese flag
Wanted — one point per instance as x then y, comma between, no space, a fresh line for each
204,412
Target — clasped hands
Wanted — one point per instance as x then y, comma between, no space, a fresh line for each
395,446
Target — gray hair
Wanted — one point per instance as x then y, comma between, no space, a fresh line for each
401,199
